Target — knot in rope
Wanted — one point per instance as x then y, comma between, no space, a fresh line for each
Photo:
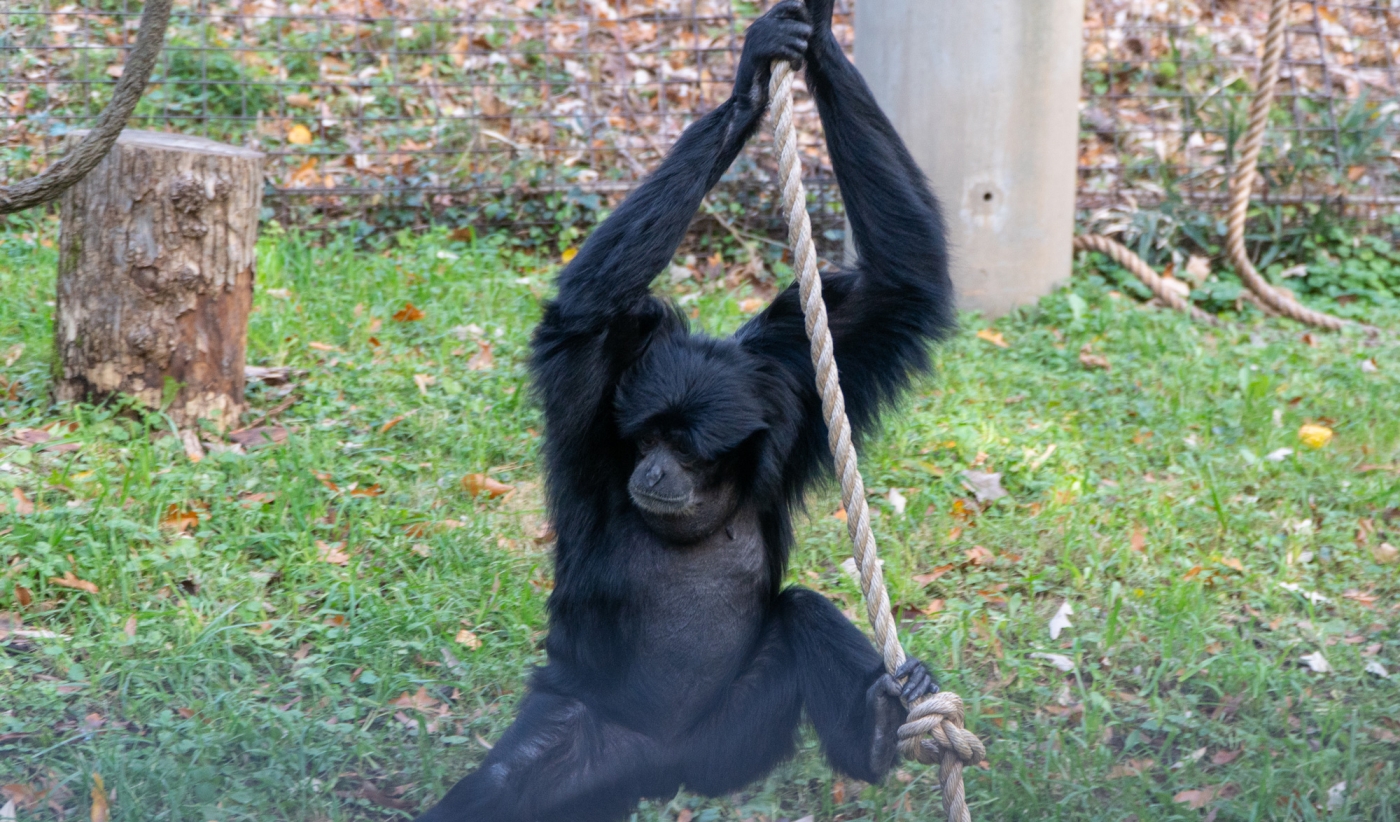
935,730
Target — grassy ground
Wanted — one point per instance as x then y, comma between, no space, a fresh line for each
332,627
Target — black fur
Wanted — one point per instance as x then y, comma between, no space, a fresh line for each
672,664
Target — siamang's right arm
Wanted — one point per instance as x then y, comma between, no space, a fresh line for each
884,313
603,314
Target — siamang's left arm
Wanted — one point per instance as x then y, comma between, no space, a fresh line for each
603,316
899,298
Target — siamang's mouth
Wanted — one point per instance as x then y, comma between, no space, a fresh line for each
653,504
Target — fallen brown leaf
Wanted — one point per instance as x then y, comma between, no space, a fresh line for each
483,359
420,701
931,576
68,580
1133,767
367,491
752,305
130,627
382,799
23,505
469,639
408,314
320,346
477,484
1089,359
1385,553
1138,541
977,555
385,428
1363,598
1201,797
177,520
262,435
1226,757
334,554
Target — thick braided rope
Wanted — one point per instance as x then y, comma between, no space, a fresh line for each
934,732
1272,301
1242,182
1140,269
75,165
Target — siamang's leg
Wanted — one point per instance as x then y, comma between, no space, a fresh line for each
559,762
853,703
754,727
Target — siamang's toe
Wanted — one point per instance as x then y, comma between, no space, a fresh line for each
918,682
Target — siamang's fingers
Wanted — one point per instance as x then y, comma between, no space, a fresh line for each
918,682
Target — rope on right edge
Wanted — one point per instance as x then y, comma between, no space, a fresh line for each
1268,298
934,731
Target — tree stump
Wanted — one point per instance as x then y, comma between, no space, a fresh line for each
155,277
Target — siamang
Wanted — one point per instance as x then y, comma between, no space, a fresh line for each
674,461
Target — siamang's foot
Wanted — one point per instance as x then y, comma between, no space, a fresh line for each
918,682
780,34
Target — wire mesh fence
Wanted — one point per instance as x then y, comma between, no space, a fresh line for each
537,113
1167,88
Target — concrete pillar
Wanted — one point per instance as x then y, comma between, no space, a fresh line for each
986,94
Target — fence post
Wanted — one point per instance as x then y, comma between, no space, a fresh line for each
986,94
155,276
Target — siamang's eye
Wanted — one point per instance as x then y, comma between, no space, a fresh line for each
649,442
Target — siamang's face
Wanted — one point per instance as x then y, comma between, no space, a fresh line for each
682,497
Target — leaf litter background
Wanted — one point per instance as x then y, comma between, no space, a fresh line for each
539,113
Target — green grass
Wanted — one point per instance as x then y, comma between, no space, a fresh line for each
258,681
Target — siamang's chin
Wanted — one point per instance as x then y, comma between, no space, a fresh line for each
688,519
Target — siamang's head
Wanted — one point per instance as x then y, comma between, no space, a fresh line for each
693,409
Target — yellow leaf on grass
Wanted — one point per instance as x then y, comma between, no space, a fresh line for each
100,811
1231,562
299,135
993,337
569,254
1315,436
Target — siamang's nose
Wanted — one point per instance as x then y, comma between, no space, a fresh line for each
655,474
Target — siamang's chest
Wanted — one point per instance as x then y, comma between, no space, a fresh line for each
705,605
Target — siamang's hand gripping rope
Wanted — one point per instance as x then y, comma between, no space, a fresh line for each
934,732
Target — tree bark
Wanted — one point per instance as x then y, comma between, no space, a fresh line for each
155,277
